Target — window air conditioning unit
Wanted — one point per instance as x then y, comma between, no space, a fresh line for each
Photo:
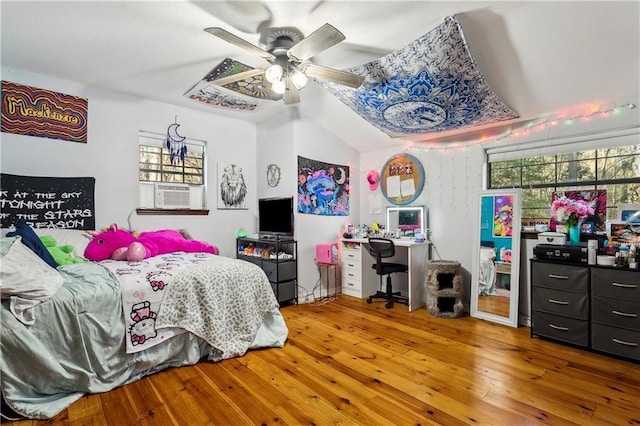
171,196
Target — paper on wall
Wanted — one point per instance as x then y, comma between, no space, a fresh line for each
393,186
407,187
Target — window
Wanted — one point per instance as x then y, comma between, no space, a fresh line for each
155,165
615,169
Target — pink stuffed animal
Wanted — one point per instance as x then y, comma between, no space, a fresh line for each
118,244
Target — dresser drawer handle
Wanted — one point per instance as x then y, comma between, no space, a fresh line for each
635,345
350,264
351,275
559,328
558,277
623,314
624,285
558,302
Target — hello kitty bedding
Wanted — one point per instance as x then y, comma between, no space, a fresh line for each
142,286
97,331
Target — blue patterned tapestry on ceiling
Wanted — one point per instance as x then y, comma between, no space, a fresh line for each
323,188
431,85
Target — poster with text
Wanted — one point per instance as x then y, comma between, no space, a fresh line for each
47,202
38,112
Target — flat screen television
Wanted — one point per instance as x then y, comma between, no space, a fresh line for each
275,217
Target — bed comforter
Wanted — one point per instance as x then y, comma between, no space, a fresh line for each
77,343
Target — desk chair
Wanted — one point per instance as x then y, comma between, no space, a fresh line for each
382,248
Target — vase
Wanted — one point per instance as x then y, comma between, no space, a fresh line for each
574,235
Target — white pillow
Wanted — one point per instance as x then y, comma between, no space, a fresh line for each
77,238
27,280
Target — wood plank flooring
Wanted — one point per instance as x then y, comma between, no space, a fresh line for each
347,362
497,305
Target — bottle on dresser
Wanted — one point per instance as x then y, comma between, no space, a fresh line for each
632,257
592,251
624,255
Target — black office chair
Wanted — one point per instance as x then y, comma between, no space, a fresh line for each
382,248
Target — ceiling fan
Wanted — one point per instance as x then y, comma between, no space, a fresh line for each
289,52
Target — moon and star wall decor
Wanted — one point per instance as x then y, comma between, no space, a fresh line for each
176,144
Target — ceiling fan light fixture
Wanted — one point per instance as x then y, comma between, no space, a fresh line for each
273,73
298,78
278,87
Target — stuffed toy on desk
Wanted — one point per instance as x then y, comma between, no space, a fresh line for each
118,244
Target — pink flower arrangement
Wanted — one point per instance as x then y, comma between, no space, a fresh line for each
570,212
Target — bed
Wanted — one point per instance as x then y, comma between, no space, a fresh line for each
487,278
99,325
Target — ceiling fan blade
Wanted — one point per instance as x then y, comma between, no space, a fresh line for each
291,94
238,76
235,40
331,74
246,16
319,40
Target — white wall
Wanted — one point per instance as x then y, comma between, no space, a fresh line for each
280,140
275,146
452,178
111,156
318,143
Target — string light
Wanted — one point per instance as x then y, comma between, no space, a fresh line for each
538,125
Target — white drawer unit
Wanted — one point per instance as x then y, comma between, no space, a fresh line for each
352,269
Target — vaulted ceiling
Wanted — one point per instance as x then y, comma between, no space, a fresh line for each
540,58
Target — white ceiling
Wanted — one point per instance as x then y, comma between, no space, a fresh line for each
541,58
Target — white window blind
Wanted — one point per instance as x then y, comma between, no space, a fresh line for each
585,142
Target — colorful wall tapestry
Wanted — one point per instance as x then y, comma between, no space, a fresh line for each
503,216
31,111
596,198
492,229
249,94
431,85
323,188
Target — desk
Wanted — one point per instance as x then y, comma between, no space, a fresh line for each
360,280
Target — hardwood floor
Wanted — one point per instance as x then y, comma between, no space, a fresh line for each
497,305
350,363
